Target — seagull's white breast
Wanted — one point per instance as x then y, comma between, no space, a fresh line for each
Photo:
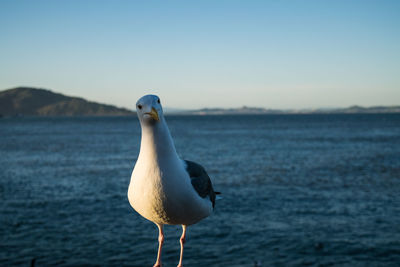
162,192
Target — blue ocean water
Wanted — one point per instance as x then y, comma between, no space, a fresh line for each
318,190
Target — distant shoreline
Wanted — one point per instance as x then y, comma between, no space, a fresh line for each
262,111
28,101
188,115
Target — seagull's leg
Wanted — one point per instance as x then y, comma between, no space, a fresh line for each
182,241
160,243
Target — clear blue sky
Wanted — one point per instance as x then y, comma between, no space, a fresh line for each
274,54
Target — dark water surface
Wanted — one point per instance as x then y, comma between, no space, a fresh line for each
297,190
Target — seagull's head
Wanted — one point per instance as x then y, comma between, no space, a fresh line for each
149,109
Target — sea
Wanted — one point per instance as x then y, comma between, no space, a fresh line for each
297,190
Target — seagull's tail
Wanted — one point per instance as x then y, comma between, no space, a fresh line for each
218,197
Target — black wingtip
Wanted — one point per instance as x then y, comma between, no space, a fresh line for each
217,193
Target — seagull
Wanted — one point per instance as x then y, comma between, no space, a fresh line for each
163,188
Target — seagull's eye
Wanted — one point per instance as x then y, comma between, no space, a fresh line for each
158,101
139,106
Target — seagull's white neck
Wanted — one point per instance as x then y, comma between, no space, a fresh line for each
157,143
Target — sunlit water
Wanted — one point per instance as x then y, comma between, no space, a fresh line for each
297,190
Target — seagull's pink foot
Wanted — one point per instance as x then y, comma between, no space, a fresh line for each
160,244
182,241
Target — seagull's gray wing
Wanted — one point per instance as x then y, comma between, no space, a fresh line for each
201,182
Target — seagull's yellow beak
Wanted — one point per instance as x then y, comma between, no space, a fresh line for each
154,114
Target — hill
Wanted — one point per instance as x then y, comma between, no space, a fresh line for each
40,102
